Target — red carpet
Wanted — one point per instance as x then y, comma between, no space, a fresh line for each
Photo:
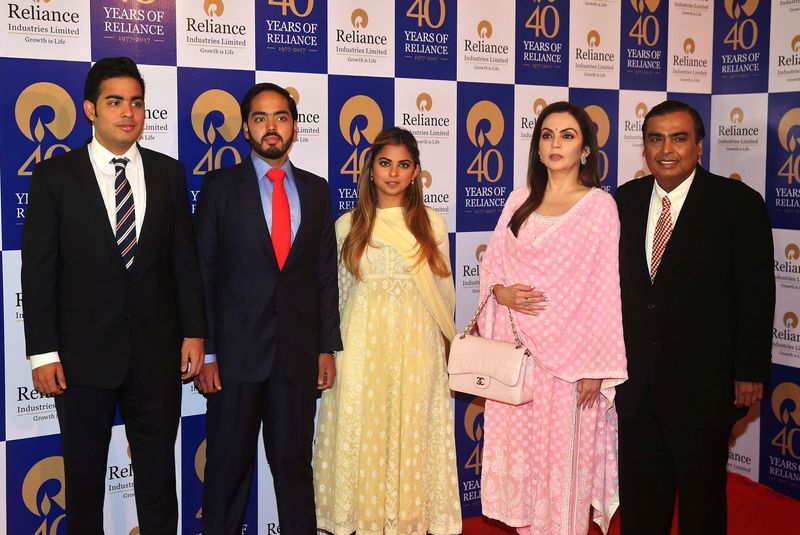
753,509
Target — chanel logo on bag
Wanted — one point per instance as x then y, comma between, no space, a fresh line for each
481,381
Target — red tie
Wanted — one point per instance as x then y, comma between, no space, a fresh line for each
663,231
281,217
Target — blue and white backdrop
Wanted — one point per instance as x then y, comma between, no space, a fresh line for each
468,78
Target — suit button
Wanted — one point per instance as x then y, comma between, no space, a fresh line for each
651,306
127,317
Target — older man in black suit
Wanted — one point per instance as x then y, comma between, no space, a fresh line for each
698,296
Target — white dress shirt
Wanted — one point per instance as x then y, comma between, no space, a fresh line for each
104,173
676,198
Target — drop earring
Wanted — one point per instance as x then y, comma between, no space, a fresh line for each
583,159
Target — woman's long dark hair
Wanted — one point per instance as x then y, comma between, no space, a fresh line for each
589,174
414,213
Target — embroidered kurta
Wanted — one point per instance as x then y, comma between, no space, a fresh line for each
384,460
545,463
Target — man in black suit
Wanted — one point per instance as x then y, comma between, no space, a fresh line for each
267,254
113,301
698,296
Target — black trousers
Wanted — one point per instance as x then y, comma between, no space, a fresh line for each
655,462
151,414
233,418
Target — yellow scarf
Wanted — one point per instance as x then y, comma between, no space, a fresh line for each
438,292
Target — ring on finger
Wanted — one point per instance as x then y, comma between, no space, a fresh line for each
525,302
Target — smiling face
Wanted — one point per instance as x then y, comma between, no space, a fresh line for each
561,143
671,149
270,128
393,169
118,114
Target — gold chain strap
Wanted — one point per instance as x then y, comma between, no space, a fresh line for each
474,321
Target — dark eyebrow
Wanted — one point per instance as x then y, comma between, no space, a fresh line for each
671,134
119,97
389,159
568,129
280,112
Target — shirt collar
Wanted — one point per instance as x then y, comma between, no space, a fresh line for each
102,156
679,192
262,167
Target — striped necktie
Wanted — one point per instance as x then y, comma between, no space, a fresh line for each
126,213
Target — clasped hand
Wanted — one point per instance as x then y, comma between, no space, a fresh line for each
521,298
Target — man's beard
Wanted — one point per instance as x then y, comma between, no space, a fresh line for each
272,152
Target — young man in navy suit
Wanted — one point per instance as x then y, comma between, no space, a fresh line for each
268,260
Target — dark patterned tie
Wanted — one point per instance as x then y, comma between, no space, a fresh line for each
662,234
126,213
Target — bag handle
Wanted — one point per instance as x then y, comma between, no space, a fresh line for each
474,321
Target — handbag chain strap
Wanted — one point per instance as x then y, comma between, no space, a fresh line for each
474,321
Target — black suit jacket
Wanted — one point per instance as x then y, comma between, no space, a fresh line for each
257,312
706,321
79,299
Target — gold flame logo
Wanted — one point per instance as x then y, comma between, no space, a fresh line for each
360,106
427,179
49,95
737,115
359,18
736,176
484,29
135,531
734,9
216,100
641,110
601,122
790,120
294,93
424,102
488,111
200,469
786,392
214,8
479,252
689,46
472,425
638,5
796,44
790,320
47,469
640,173
538,105
593,39
792,252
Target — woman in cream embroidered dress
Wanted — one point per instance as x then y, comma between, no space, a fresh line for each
553,261
385,453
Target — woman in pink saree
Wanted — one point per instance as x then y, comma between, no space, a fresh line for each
553,261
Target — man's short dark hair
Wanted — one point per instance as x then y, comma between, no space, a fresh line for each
671,106
109,68
257,89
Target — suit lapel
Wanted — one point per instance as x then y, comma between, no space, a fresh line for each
153,181
303,193
254,211
688,225
95,205
642,208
